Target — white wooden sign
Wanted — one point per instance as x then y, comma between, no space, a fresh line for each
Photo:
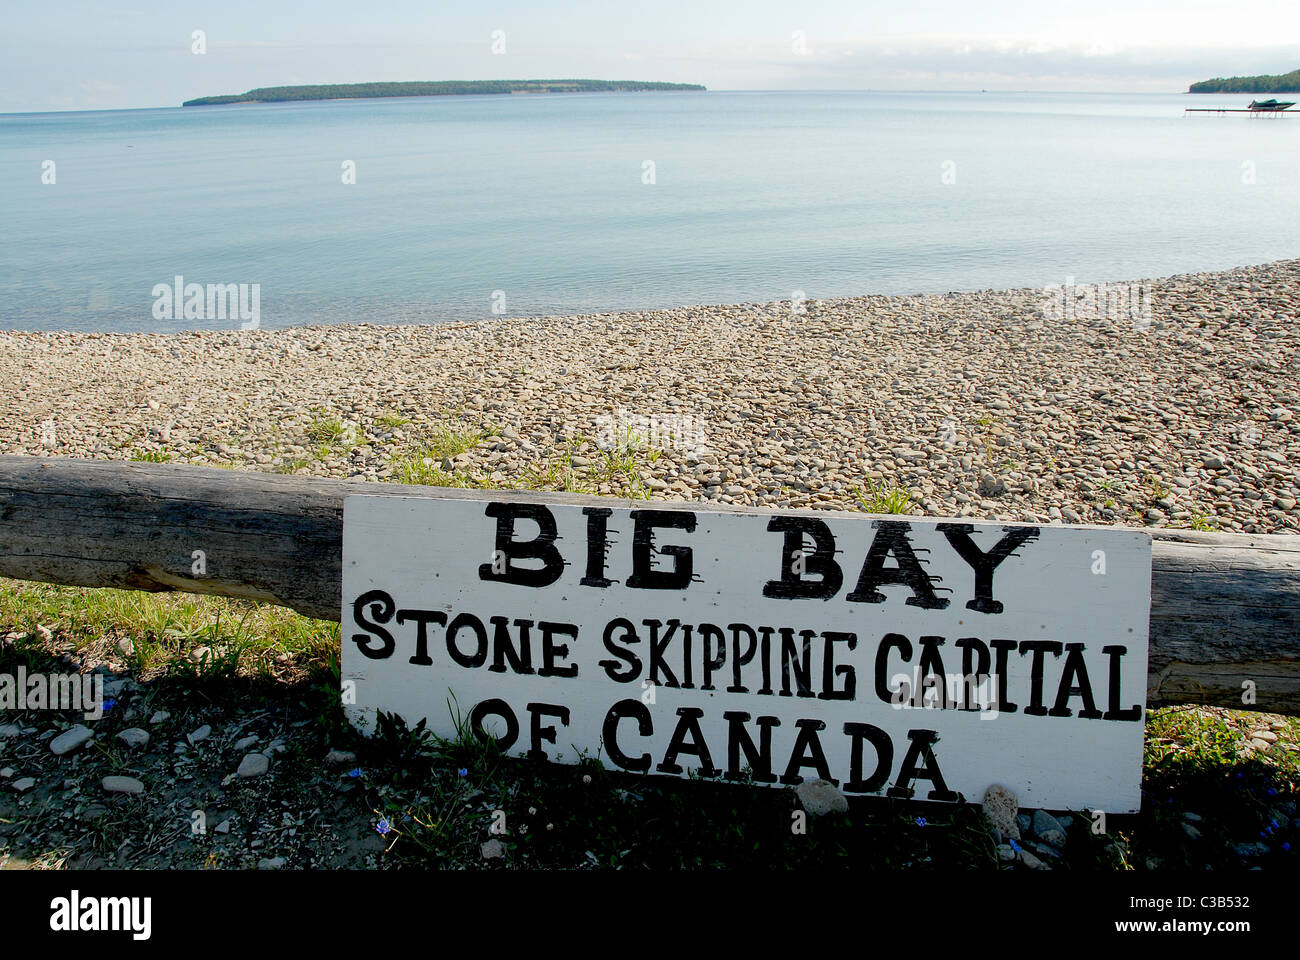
893,656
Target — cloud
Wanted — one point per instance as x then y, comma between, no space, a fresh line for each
944,62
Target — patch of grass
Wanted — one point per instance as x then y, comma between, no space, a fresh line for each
1200,522
292,466
151,456
326,429
425,471
446,441
1158,491
624,458
391,420
1194,763
426,464
555,475
883,498
243,637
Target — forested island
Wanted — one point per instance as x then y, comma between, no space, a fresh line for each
1280,83
435,88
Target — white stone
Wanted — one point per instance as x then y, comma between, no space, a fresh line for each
123,785
134,737
1000,808
70,739
820,797
253,765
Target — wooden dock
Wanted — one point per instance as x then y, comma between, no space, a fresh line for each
1258,113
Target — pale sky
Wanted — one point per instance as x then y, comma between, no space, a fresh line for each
107,55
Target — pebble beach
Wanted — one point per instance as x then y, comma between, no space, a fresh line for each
990,404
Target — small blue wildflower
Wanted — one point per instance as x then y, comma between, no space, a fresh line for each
920,821
1272,792
109,704
1286,846
354,773
463,772
383,827
1274,825
406,818
1014,846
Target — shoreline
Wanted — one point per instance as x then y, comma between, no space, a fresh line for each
1180,409
1283,264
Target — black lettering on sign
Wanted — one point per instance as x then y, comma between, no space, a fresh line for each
611,667
891,540
541,548
1002,648
537,732
422,620
820,564
609,733
553,652
798,661
498,708
381,608
931,674
739,659
887,643
688,726
974,669
503,649
758,759
474,624
884,747
921,748
1113,712
709,636
597,546
644,576
1075,670
807,752
658,662
830,671
1038,648
766,643
984,564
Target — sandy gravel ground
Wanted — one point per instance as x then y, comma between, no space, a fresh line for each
1173,403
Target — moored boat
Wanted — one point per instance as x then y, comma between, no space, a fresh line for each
1270,106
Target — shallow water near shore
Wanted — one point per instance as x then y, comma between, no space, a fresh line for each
539,205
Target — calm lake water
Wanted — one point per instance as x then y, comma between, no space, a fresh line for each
542,198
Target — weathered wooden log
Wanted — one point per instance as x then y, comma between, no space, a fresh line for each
1225,608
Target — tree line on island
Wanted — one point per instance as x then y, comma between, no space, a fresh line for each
436,88
1277,83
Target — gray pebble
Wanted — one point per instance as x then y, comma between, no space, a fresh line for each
118,784
253,765
70,739
820,797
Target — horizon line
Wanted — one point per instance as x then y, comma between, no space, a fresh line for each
812,90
